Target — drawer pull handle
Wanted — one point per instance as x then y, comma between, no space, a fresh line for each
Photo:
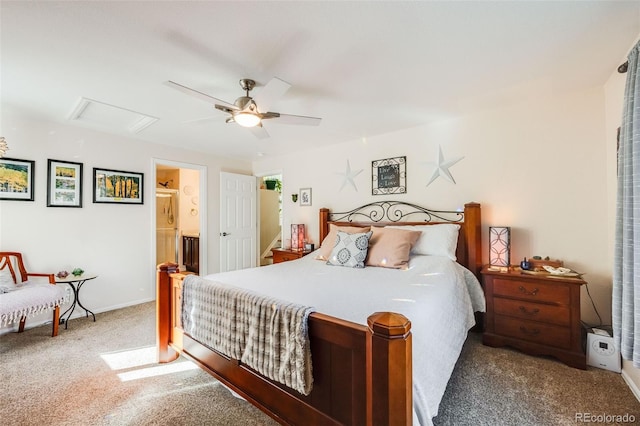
533,332
531,313
527,292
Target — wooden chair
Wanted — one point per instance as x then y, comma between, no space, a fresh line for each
20,297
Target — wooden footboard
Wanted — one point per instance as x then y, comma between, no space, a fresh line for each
362,375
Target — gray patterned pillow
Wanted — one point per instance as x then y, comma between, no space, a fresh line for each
350,250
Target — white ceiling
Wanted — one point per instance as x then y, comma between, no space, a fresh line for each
366,68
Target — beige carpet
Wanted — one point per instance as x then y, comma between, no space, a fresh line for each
104,373
501,386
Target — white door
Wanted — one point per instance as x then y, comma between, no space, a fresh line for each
238,222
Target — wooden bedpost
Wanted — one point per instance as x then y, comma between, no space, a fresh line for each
324,226
389,375
473,231
163,311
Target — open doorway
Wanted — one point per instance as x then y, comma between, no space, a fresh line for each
167,229
270,216
179,234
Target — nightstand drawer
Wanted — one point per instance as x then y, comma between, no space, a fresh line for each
284,257
534,291
560,315
546,334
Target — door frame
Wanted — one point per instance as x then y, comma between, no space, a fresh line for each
202,207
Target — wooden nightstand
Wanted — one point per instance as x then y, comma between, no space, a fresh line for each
284,255
539,315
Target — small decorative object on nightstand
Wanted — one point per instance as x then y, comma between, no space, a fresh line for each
537,314
285,255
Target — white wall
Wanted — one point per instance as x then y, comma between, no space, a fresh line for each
113,241
539,166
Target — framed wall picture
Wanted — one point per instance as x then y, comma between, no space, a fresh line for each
64,184
16,179
305,197
117,186
389,176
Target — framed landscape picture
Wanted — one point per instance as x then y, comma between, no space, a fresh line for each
64,184
16,179
117,186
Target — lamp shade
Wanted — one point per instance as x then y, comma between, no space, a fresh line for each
297,236
246,119
499,245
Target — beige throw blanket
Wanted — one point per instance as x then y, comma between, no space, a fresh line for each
267,334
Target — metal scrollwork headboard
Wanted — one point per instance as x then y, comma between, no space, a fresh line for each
382,213
396,211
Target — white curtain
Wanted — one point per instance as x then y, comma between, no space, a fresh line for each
626,273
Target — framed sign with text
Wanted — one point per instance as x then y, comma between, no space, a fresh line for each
389,176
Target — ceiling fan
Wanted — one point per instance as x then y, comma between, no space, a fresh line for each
250,111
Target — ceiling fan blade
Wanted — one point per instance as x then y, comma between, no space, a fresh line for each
259,132
268,115
226,109
199,95
271,92
296,119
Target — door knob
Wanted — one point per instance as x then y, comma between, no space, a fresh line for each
224,234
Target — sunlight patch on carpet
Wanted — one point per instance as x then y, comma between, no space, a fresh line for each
141,364
160,370
130,358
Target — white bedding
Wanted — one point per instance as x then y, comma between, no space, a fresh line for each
437,294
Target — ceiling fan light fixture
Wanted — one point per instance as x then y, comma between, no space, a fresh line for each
246,119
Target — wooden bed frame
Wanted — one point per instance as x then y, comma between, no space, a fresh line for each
362,375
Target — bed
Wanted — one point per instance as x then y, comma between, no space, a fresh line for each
364,350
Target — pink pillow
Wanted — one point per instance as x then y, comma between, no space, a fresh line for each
330,240
390,247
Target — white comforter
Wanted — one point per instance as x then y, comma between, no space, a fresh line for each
438,295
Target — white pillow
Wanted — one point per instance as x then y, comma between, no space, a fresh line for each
329,241
435,240
350,250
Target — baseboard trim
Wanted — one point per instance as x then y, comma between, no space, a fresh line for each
122,305
631,384
77,314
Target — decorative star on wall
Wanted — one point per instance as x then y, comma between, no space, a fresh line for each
442,167
348,177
